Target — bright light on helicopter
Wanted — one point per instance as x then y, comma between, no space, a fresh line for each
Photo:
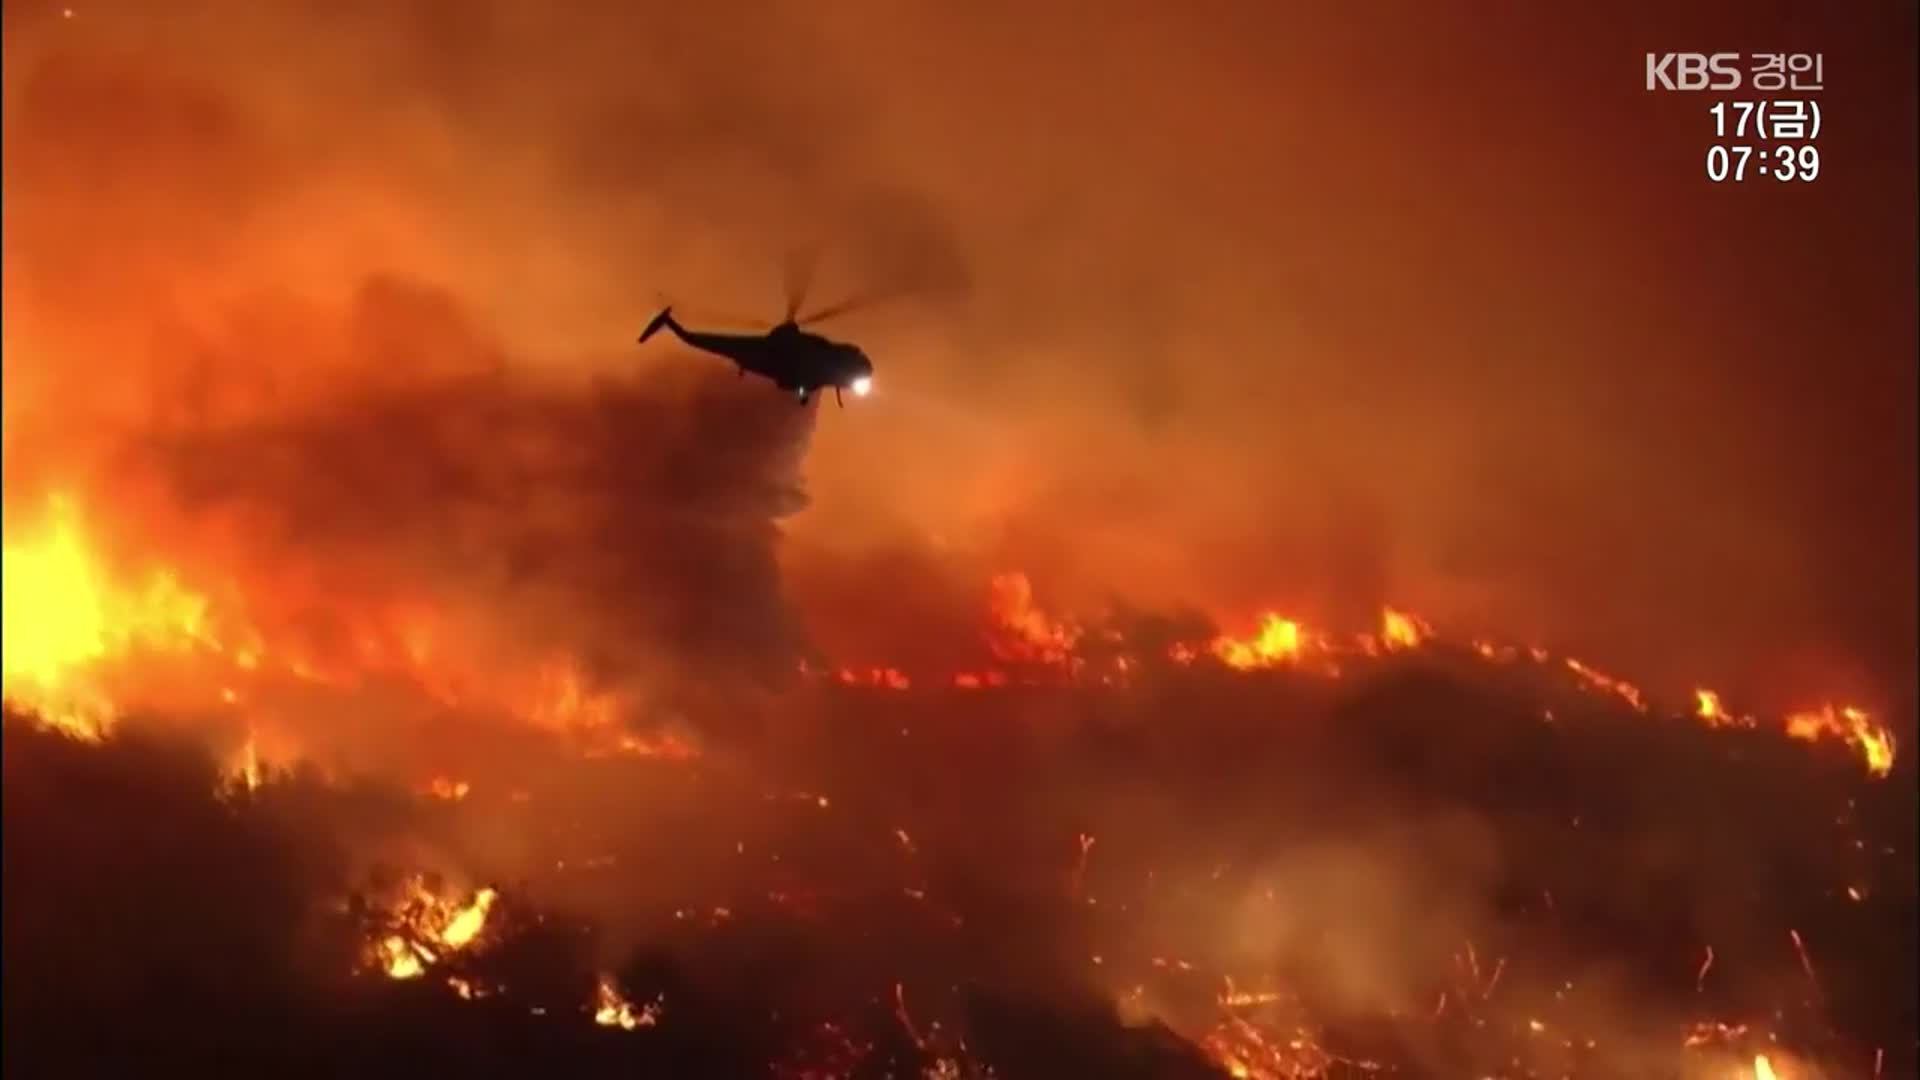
862,386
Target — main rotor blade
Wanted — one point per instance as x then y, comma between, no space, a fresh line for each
856,302
800,264
705,314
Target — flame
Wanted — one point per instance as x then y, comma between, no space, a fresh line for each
467,922
1019,632
613,1010
399,958
1604,683
1278,641
1283,641
425,927
53,602
72,623
1399,630
64,615
248,772
67,614
1709,710
1855,727
1023,632
1707,707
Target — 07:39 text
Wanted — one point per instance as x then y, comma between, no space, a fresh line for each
1783,163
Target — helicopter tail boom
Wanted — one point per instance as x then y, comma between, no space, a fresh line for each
662,320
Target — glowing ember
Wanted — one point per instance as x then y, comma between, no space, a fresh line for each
1493,653
450,790
1708,1033
1250,1051
248,771
1598,681
885,678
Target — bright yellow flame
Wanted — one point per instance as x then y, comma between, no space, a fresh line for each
63,613
1710,711
467,922
426,927
1400,630
398,958
1707,707
1762,1068
613,1010
1278,641
1854,726
53,604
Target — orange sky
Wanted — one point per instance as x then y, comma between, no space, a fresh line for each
1308,308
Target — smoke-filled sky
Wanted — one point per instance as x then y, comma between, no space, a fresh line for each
1309,307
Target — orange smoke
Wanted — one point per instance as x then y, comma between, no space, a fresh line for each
1025,634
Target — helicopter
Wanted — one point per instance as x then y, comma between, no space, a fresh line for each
797,361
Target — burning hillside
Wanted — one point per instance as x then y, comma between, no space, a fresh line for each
461,720
1106,847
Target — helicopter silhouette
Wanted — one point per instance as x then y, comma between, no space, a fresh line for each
796,361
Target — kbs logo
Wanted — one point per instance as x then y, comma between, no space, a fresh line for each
1693,71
